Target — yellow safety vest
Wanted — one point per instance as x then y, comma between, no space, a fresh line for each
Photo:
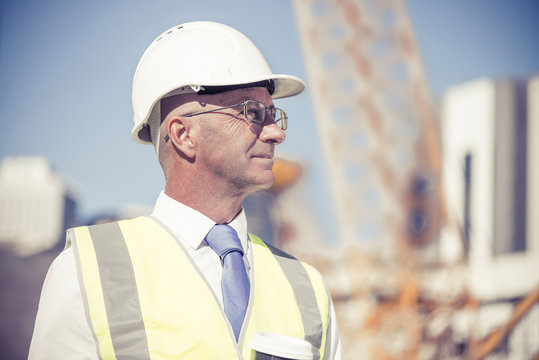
145,299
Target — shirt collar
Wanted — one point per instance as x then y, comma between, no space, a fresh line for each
190,225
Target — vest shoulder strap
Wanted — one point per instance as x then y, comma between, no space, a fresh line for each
310,293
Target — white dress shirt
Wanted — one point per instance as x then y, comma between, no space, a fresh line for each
62,331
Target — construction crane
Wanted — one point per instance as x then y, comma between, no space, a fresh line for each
379,135
376,123
378,130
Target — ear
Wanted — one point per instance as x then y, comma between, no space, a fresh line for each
179,132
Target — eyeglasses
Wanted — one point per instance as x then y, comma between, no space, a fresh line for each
254,111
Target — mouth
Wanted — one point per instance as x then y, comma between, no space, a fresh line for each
264,156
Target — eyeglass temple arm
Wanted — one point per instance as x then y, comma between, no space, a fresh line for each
205,112
212,110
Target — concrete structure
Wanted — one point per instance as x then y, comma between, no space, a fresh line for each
490,132
35,205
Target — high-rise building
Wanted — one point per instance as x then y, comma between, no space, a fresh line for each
490,134
35,205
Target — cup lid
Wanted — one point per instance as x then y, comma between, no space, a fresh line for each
281,345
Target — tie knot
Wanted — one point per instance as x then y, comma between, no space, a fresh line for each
223,239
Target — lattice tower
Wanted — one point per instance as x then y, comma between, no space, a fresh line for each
376,124
382,152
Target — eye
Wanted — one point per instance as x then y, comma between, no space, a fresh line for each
255,111
252,113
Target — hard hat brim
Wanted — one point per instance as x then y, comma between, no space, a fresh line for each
287,86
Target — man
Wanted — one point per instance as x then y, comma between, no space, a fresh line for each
188,282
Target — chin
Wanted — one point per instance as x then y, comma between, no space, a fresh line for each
264,181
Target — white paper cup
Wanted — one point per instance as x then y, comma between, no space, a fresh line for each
266,346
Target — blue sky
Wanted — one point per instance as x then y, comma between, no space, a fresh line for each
66,69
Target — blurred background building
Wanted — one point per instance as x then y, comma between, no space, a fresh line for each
436,251
36,205
491,161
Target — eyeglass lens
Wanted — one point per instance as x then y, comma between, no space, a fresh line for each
256,112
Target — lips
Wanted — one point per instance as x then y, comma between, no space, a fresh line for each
264,156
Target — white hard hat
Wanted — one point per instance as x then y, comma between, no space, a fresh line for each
202,57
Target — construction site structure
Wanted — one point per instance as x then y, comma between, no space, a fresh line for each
491,167
397,293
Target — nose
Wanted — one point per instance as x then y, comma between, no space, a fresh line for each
272,133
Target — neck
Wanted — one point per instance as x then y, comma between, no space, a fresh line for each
212,200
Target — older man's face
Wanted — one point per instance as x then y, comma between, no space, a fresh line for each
237,152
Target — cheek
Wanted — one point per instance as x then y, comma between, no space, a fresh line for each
209,139
228,140
239,138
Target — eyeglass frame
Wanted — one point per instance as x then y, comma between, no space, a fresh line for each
284,119
244,104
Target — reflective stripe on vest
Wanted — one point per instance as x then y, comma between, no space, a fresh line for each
145,298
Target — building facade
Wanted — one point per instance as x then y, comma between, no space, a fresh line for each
490,134
35,205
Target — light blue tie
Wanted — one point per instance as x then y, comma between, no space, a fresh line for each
234,283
